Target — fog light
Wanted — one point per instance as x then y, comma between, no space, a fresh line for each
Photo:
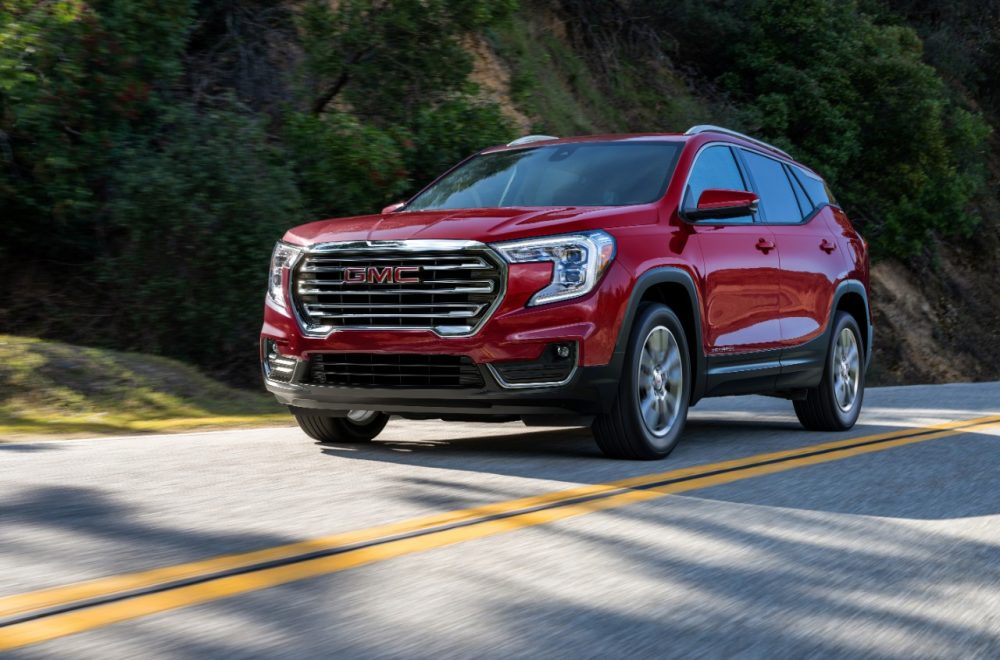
276,365
555,366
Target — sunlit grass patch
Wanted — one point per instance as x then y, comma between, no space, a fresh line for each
49,387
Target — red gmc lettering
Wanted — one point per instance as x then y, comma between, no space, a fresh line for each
378,275
404,276
385,275
355,275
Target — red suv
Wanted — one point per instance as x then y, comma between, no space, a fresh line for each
607,281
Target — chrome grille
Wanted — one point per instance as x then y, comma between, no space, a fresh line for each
450,287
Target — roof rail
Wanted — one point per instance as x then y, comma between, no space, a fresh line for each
528,139
708,128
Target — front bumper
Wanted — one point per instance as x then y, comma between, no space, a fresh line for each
589,390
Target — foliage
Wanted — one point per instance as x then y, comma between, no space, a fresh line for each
72,79
391,58
152,152
344,167
388,98
850,95
444,134
961,39
148,168
196,210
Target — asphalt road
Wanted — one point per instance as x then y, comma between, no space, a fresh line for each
888,545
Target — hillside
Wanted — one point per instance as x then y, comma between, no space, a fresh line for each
935,310
50,387
163,147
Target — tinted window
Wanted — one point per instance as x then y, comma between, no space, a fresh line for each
715,168
776,196
587,174
805,206
818,192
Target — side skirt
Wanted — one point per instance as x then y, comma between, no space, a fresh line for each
785,372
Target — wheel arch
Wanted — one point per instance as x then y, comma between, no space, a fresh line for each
675,288
852,297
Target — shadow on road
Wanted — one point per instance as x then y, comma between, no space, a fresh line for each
939,479
756,567
27,447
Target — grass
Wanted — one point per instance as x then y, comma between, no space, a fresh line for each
48,387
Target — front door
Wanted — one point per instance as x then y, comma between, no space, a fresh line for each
741,277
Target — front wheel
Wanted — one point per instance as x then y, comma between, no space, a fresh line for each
648,415
357,426
835,404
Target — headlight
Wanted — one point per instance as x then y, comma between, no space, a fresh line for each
578,261
282,258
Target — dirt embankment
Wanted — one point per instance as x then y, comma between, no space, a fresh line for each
936,325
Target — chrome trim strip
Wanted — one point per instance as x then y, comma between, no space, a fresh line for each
411,245
520,386
466,266
396,292
458,314
477,306
371,259
416,245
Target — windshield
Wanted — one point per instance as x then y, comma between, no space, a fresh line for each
585,174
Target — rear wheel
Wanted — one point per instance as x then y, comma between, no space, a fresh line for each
648,415
357,426
836,403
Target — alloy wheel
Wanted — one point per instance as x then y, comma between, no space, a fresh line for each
846,370
660,381
361,416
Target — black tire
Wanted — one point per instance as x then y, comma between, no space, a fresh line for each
622,432
340,429
820,410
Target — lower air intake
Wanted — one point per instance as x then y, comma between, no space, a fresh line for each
394,371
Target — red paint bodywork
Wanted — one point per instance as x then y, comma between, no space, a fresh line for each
749,298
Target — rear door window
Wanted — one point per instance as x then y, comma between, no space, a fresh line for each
776,196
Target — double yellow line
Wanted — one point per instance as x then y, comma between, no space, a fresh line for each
51,613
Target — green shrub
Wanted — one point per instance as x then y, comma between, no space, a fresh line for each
444,134
850,95
344,167
141,199
197,208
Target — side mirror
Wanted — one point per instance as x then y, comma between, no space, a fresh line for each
392,208
718,204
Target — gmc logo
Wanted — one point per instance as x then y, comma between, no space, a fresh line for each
384,275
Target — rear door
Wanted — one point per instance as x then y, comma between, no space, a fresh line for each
740,286
810,257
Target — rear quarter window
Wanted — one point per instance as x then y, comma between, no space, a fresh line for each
817,189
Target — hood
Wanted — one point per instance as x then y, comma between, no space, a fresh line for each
485,225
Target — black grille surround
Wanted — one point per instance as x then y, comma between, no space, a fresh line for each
387,370
450,287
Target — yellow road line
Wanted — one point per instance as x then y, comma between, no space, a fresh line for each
61,624
18,604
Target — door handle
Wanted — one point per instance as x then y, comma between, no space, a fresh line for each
827,246
764,245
